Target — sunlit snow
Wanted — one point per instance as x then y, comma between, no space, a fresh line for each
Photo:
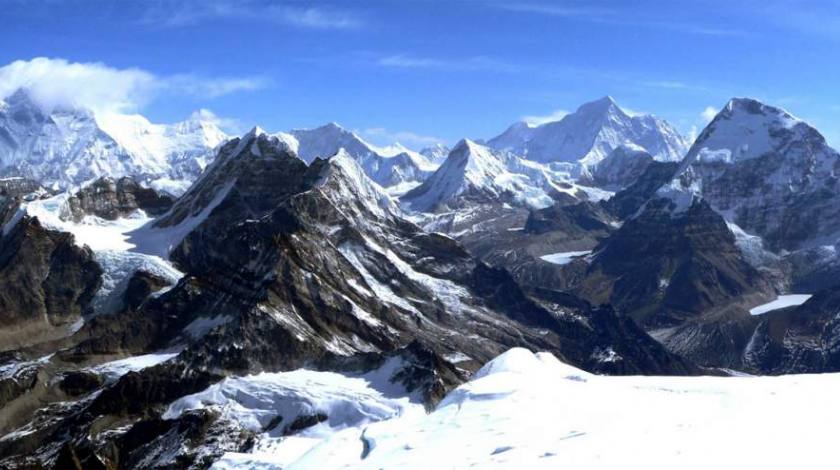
565,257
782,301
525,410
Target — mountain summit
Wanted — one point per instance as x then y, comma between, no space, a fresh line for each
590,134
65,147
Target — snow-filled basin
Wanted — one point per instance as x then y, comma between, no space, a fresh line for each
565,257
782,301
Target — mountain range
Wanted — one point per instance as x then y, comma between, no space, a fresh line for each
172,297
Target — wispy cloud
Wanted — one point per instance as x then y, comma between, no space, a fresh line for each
382,136
102,88
231,125
551,117
410,62
190,12
674,85
709,113
617,15
475,63
212,87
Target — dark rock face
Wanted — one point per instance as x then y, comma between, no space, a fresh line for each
110,199
17,187
803,339
682,278
628,201
77,383
46,284
577,220
662,268
310,267
140,286
620,169
783,187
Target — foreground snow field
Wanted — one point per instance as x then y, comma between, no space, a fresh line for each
525,410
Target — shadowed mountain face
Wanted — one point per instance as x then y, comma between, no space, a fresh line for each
277,260
803,339
289,266
768,172
47,284
663,267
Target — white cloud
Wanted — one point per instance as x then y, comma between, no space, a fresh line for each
102,88
709,113
230,125
57,82
212,87
382,136
620,15
538,120
190,12
475,63
410,62
692,134
320,19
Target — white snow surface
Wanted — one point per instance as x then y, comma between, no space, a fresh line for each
472,167
782,301
387,166
590,134
67,147
565,257
116,369
350,401
113,244
745,129
525,410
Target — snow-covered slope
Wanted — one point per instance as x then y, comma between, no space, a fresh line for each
525,410
388,166
766,171
621,167
589,134
436,153
111,244
474,173
66,147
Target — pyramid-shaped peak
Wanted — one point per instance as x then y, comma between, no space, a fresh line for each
602,104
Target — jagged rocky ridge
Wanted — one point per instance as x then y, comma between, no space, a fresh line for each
288,265
111,199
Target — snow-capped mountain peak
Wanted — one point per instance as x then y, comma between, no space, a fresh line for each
591,133
68,146
745,129
765,171
388,166
474,172
352,189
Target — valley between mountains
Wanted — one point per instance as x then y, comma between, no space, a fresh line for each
175,297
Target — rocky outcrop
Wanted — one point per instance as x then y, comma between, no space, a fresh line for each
628,201
46,284
291,266
111,199
770,173
666,266
621,168
803,339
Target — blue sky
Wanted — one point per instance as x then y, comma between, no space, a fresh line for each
425,71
